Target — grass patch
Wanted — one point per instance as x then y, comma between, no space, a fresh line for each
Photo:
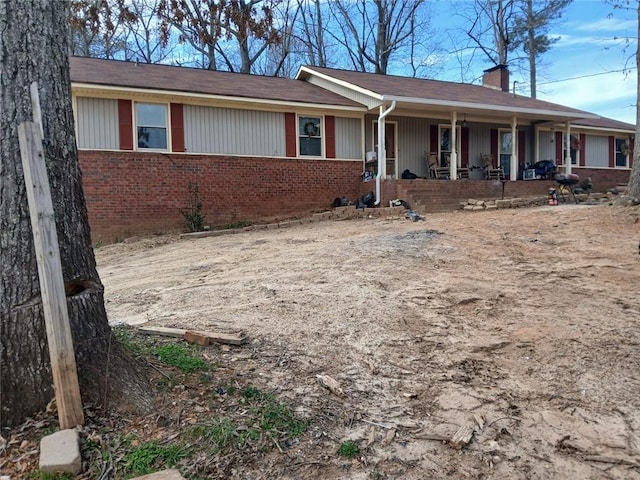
151,456
179,356
348,449
51,476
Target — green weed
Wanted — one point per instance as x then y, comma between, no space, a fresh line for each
151,456
348,449
193,215
51,476
180,357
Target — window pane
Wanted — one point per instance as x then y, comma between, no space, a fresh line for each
150,115
309,126
310,136
152,137
311,146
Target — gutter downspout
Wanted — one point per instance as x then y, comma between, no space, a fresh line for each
382,153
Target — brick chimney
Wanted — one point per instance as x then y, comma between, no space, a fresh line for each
497,78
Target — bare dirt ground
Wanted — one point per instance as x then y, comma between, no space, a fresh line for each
522,325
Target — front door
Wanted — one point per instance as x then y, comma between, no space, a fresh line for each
390,134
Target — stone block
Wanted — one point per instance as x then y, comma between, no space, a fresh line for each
197,338
60,453
171,474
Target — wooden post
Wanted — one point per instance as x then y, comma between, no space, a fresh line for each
54,301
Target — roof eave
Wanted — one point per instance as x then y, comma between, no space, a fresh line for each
208,96
493,108
305,72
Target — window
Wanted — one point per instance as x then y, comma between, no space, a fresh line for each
505,150
622,152
151,126
574,147
445,145
310,136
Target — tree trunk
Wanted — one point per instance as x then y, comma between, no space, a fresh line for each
634,179
34,47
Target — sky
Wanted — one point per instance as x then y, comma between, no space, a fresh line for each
588,68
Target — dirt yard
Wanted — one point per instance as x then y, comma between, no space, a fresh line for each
522,325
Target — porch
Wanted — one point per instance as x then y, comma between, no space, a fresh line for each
429,195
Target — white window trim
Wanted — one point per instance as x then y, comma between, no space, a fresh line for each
167,127
323,135
616,151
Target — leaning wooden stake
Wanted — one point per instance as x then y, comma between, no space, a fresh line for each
54,301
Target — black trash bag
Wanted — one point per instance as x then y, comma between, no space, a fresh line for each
340,202
366,200
409,175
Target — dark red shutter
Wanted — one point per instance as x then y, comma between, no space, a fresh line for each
464,146
522,148
433,139
612,152
583,158
494,146
559,149
177,127
632,146
125,124
330,136
290,134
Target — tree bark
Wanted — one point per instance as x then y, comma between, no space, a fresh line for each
634,178
34,47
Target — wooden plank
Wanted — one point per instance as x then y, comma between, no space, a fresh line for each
218,337
54,301
164,331
461,437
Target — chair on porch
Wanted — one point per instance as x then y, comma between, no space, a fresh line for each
490,172
432,163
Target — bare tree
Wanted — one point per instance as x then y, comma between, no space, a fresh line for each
372,32
144,40
96,27
209,26
34,48
634,179
491,26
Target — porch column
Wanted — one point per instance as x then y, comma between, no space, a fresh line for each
514,150
567,151
453,160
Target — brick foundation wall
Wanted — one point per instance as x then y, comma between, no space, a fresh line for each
134,193
604,179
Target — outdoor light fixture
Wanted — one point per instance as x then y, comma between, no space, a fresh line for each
464,122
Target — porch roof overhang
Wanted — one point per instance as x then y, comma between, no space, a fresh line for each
439,99
486,112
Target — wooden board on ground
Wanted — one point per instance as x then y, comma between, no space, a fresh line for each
218,337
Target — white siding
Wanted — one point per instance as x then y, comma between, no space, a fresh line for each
597,151
547,147
228,131
348,141
359,97
97,121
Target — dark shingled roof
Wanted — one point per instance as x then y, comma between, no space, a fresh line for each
194,80
606,123
437,90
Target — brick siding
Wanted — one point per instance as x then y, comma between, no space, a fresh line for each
137,193
133,193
